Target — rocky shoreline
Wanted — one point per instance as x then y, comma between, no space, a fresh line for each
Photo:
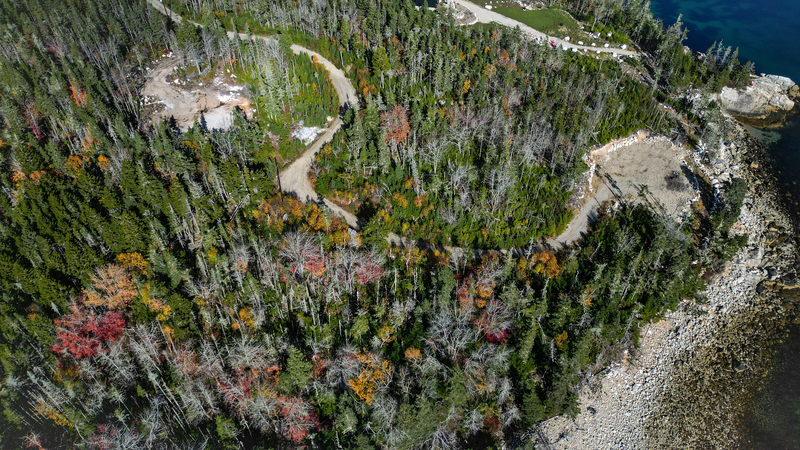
764,104
689,382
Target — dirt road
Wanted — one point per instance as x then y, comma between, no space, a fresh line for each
294,178
635,162
486,16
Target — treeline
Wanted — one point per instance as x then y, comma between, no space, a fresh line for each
158,292
673,67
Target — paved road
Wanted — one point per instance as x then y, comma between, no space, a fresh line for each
486,16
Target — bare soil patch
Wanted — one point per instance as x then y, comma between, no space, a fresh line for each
214,95
635,169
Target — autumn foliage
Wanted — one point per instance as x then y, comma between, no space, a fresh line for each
297,418
83,331
374,373
133,262
112,287
545,262
495,322
48,412
78,95
395,124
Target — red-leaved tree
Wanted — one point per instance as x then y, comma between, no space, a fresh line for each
369,268
82,332
297,418
394,123
495,322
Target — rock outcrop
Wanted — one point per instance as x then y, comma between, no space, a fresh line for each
695,372
764,103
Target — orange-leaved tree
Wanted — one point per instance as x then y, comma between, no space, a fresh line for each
112,287
133,262
394,123
374,374
545,262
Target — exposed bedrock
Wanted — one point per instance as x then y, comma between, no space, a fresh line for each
765,103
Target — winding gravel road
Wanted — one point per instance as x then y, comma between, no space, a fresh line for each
294,178
486,16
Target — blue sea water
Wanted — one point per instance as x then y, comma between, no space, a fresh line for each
766,32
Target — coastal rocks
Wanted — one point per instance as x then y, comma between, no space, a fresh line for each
764,103
754,256
695,371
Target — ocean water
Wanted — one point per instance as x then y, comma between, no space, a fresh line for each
766,32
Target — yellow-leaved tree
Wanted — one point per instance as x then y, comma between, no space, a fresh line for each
375,372
112,287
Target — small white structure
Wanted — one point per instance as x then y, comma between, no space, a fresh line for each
624,46
593,44
489,7
566,38
609,34
605,45
580,42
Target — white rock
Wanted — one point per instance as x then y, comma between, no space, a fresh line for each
306,134
765,96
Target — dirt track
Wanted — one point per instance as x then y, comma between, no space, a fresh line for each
295,177
634,164
486,16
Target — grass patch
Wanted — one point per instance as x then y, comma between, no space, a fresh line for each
549,21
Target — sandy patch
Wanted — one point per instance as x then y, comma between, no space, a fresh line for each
186,101
627,167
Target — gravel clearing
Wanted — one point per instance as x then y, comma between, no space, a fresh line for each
621,170
185,103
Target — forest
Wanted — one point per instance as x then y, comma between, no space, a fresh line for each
160,291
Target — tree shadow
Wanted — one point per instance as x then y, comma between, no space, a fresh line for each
611,184
366,211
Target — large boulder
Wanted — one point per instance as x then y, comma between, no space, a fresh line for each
765,102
